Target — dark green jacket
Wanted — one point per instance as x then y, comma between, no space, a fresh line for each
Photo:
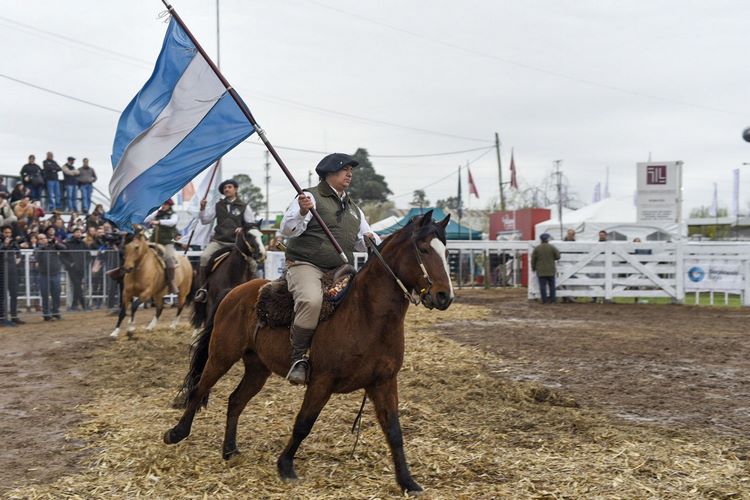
343,218
543,259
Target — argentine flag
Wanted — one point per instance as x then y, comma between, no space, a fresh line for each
180,122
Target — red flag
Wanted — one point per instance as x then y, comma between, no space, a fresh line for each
472,186
513,179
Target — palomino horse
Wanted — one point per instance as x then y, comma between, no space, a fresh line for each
361,346
236,268
145,280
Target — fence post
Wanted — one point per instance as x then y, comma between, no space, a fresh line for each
608,276
679,269
746,276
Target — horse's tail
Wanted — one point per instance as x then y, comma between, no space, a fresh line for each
200,313
199,356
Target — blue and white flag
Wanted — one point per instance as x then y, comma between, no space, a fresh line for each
181,121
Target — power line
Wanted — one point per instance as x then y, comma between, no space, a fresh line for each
38,32
424,155
525,66
44,89
289,148
309,107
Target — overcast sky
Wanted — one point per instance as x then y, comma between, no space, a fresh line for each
595,83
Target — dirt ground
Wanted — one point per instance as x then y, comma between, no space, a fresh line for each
667,372
668,365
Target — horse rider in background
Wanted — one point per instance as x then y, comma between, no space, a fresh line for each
309,254
231,215
164,224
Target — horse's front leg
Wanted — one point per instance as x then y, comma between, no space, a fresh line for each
385,399
123,311
159,303
316,397
131,323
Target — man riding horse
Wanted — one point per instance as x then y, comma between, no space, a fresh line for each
164,223
309,254
231,216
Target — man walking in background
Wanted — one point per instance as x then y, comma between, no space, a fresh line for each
543,260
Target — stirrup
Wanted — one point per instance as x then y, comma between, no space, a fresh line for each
305,366
201,295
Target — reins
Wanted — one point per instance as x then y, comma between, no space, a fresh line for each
425,275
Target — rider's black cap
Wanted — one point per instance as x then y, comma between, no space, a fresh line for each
228,181
335,162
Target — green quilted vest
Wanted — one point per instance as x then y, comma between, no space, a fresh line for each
163,234
342,218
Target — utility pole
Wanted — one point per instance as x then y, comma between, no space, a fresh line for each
268,179
559,194
499,171
219,168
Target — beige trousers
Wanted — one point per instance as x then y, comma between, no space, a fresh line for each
170,256
303,279
210,249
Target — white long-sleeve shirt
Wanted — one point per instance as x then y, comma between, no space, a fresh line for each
172,221
294,223
208,215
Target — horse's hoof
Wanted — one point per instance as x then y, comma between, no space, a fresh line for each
131,329
172,436
229,455
115,333
286,471
413,490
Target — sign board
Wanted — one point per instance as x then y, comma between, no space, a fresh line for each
274,265
659,197
716,275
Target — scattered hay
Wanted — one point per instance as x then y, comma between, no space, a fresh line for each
468,434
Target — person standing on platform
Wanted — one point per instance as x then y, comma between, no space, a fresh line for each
52,180
70,181
86,180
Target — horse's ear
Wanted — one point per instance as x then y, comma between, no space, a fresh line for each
426,218
444,223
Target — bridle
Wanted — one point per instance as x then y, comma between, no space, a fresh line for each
425,291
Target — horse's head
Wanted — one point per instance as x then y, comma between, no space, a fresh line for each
421,260
135,248
250,243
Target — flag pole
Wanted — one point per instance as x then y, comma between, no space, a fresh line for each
261,133
205,197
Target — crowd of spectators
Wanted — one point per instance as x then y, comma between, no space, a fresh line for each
57,241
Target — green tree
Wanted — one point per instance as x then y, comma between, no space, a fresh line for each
250,193
450,203
375,211
705,212
420,199
367,185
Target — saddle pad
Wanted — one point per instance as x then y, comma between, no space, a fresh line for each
275,307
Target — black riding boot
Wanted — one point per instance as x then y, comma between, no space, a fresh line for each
169,276
201,295
301,339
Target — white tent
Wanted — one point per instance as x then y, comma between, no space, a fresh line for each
617,216
382,224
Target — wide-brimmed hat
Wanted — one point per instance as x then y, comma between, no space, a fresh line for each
226,182
335,162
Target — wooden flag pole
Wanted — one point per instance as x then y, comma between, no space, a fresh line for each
246,111
205,197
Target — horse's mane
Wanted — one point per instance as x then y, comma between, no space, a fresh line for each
410,230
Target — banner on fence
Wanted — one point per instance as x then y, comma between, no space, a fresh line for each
716,275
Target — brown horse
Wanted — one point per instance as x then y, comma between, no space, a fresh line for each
145,280
236,268
361,346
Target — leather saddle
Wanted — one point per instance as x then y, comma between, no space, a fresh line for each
275,306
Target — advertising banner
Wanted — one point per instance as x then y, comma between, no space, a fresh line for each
717,275
659,197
